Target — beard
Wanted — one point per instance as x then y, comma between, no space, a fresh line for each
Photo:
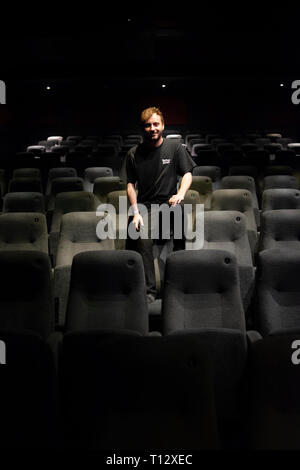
152,136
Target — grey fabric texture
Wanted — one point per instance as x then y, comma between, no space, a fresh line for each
213,172
24,202
243,182
238,200
281,229
107,290
202,290
203,184
240,182
121,218
59,172
280,198
62,185
23,231
278,294
20,184
106,184
246,170
192,197
90,174
27,172
278,170
66,184
78,234
26,297
280,181
226,230
72,201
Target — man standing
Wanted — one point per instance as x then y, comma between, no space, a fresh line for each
153,166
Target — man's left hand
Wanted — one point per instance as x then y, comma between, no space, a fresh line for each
176,199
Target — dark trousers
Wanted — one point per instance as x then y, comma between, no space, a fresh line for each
144,246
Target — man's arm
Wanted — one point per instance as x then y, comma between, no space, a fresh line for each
137,218
184,187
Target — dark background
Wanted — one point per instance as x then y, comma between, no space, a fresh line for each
222,67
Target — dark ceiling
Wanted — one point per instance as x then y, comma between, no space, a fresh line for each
216,57
190,42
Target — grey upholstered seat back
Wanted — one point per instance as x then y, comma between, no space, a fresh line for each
26,298
228,229
240,182
106,184
24,202
23,231
280,181
59,172
280,198
27,172
79,233
280,228
66,184
74,201
232,199
202,291
90,174
107,290
278,292
30,183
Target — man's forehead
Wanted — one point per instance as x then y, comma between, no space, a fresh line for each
155,117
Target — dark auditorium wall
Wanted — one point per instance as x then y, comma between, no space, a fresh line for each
222,66
95,107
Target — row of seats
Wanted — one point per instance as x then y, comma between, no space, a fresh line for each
107,380
31,179
203,154
230,224
25,192
107,383
83,151
189,138
105,288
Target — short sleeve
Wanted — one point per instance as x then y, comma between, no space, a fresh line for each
185,163
130,171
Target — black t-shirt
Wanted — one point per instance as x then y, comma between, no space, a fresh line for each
155,170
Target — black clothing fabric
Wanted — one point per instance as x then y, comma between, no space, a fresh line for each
155,170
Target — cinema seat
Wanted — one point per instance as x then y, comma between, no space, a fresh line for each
24,202
23,231
202,291
26,296
166,398
107,290
280,229
78,233
65,202
278,296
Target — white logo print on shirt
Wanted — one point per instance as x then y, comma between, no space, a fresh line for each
165,161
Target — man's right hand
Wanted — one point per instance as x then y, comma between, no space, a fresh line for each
138,221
